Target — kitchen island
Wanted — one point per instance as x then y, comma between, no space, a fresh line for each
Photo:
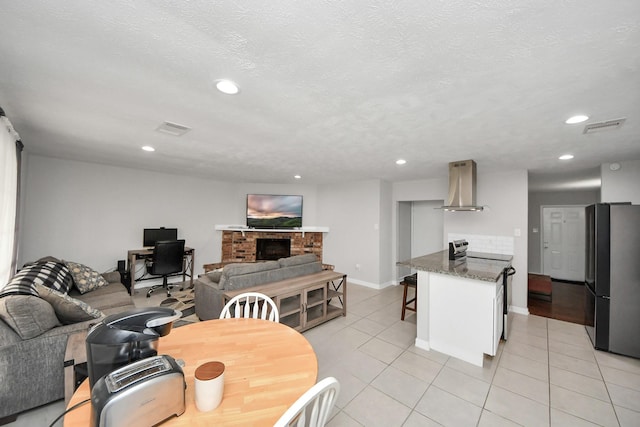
460,303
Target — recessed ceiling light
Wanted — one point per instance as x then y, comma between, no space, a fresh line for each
566,157
297,177
227,86
576,119
401,162
148,148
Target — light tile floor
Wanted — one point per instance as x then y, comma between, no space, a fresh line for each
547,373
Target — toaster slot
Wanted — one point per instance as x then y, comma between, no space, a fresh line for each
137,371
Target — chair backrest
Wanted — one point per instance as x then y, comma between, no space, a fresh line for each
313,408
251,305
168,256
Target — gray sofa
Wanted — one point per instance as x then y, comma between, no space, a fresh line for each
210,287
32,370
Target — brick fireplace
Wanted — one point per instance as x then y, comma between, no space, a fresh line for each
239,247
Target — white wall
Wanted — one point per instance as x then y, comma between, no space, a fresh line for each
386,235
621,185
427,225
93,213
352,213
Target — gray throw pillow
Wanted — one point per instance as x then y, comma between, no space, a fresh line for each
68,310
28,315
85,278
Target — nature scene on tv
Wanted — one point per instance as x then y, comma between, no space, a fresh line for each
269,211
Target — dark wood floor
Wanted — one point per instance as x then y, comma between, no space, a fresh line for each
567,303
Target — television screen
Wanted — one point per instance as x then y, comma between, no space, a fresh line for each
274,211
152,235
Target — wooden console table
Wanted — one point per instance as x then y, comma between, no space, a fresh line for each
305,301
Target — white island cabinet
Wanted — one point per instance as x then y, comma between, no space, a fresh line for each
460,306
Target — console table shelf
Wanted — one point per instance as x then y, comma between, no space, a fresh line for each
303,302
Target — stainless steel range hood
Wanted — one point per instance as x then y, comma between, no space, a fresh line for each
462,187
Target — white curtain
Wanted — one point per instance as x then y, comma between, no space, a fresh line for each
9,167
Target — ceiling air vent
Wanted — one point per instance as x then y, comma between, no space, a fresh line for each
599,126
173,129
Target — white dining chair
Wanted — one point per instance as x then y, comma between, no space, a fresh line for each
251,305
313,408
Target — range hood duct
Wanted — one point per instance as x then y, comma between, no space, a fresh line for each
462,187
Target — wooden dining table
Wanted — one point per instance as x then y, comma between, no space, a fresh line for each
268,366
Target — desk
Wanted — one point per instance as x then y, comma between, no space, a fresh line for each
135,254
268,366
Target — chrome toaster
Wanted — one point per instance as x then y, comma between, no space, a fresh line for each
143,393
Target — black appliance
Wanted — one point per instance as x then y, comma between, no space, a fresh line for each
151,235
125,337
612,277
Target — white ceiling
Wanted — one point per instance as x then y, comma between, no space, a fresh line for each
330,90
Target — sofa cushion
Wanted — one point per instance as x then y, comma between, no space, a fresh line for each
297,260
240,269
68,310
237,269
114,295
54,275
85,278
28,315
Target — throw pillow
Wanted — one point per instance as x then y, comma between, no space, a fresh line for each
86,279
51,274
27,315
68,310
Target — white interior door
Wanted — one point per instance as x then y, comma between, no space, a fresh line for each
563,242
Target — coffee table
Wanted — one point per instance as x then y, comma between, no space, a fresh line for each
268,366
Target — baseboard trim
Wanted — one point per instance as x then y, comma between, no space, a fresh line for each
519,310
368,284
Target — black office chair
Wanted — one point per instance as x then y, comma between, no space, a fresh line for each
168,258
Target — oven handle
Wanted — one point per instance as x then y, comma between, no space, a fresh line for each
511,271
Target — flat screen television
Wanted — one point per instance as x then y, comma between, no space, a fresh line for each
274,211
152,235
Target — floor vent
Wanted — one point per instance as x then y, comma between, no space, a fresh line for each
173,129
599,126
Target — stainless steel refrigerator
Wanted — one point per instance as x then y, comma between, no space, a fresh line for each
612,277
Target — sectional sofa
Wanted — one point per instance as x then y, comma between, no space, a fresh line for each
35,328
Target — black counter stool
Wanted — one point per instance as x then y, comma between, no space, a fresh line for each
407,282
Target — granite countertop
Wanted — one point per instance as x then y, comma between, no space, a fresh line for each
488,270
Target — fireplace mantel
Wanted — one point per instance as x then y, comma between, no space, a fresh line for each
244,229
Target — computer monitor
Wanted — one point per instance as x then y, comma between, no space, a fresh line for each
152,235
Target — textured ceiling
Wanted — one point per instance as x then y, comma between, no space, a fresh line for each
330,90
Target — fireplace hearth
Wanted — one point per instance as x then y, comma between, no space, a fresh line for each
272,249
